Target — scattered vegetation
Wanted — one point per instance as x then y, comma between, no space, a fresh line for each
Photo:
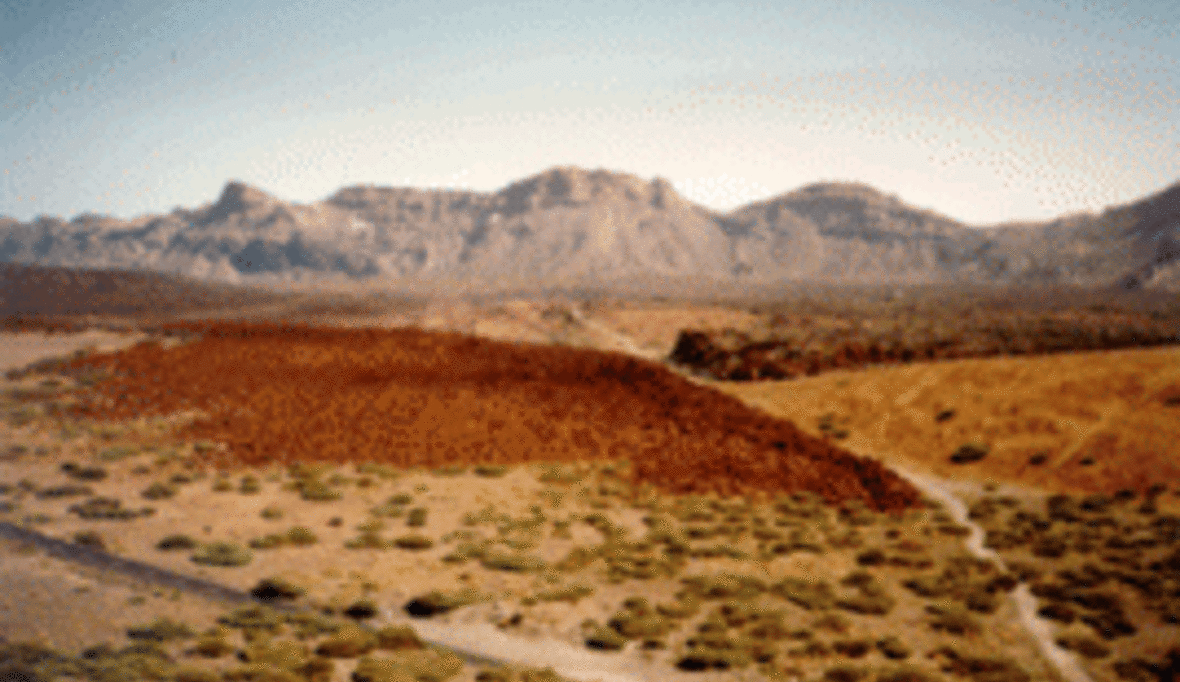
226,554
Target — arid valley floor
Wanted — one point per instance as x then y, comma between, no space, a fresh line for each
250,459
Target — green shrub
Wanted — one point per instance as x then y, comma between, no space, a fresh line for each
511,561
89,538
222,485
109,509
413,542
349,641
725,586
301,536
272,513
437,602
270,541
162,630
253,617
393,637
969,452
226,554
158,491
950,618
570,593
317,491
1085,645
808,594
275,588
490,470
249,485
852,648
832,622
175,542
603,638
84,473
371,526
366,541
423,665
360,610
417,517
892,647
60,491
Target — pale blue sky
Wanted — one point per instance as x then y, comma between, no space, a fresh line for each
985,110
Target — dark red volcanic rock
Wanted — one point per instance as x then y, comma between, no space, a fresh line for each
412,398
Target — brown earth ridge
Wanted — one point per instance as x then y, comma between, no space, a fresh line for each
412,398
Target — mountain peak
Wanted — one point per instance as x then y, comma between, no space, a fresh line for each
237,195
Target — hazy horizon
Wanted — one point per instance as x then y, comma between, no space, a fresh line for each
983,111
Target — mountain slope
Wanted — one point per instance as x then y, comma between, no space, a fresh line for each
570,224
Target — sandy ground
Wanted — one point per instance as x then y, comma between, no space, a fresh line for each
69,607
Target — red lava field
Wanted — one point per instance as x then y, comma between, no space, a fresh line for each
411,398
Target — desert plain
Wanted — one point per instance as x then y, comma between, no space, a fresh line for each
534,491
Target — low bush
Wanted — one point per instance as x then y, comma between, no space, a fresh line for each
952,619
417,517
423,665
162,630
1084,645
89,538
360,610
809,594
301,536
110,509
490,470
852,648
892,647
349,641
367,540
175,542
413,542
82,473
212,646
569,593
60,491
969,452
315,490
394,637
226,554
158,491
832,622
275,589
437,602
511,561
604,638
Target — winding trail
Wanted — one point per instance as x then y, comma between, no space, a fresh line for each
1039,629
1026,604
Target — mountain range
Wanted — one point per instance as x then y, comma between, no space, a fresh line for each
568,225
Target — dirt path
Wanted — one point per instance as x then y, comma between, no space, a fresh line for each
1039,629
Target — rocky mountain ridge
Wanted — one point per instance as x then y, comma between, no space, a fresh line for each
569,224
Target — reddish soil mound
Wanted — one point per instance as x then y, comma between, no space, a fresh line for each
413,398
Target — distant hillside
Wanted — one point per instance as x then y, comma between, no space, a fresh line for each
570,225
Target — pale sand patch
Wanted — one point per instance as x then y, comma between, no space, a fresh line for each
20,349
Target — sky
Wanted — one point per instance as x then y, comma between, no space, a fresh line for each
984,110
